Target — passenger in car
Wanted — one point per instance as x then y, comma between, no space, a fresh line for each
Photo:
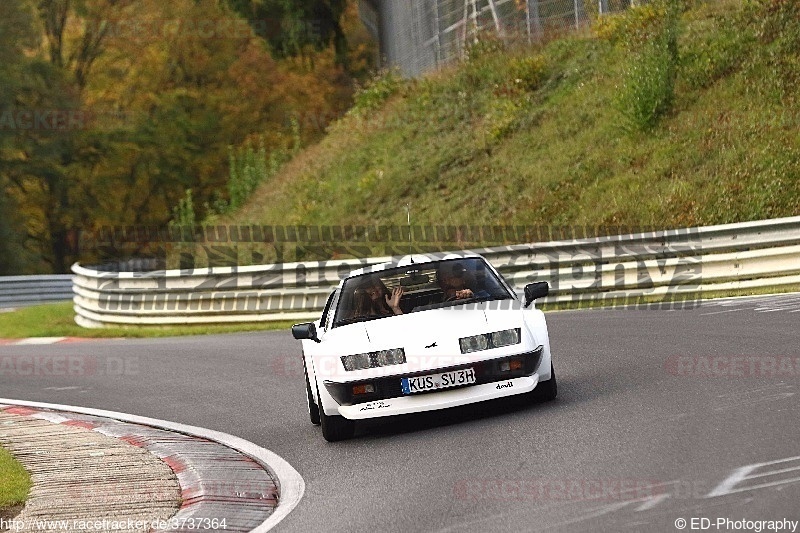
372,298
454,279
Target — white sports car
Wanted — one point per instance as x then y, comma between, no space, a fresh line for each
427,332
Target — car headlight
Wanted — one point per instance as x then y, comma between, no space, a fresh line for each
360,361
391,357
475,343
357,361
506,337
487,341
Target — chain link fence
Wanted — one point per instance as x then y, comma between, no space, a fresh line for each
421,35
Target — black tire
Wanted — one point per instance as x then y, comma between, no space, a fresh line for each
335,428
313,408
546,391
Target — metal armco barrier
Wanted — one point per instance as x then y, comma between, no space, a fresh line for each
673,265
21,291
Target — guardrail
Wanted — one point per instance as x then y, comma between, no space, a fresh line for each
672,265
22,291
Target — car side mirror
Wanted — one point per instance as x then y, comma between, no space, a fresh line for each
305,331
535,290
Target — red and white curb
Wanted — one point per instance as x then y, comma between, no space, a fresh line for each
39,341
288,481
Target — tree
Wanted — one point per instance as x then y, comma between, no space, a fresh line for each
10,249
49,137
151,110
289,26
17,76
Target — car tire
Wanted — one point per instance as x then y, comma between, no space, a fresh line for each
335,427
546,391
313,408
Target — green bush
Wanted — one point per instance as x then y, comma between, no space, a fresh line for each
183,214
648,90
378,90
248,168
528,72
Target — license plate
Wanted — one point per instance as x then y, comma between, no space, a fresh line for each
445,380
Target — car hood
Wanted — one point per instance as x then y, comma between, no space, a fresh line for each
430,338
418,331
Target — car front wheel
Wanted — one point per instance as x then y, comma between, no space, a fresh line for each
313,408
335,427
546,391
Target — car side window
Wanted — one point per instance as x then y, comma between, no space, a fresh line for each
326,314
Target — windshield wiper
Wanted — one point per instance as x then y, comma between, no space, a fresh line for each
348,321
489,298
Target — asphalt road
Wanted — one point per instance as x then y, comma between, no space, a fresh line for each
661,415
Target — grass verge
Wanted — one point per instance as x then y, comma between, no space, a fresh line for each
58,320
15,482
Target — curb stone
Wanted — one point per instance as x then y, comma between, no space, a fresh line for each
221,477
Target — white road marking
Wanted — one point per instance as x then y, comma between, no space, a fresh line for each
720,312
728,485
39,340
789,303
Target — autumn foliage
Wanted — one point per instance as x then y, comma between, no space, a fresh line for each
110,110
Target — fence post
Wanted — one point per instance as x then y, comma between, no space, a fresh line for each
533,23
496,19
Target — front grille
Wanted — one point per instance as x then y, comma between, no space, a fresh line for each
487,371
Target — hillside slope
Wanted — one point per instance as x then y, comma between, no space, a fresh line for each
554,135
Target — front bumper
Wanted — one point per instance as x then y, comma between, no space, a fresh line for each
442,399
388,387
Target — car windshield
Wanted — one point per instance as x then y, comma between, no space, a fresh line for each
425,286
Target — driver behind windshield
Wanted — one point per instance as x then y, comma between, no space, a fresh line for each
457,283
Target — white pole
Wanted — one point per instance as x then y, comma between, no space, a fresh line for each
528,19
438,32
496,18
475,19
466,23
576,13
